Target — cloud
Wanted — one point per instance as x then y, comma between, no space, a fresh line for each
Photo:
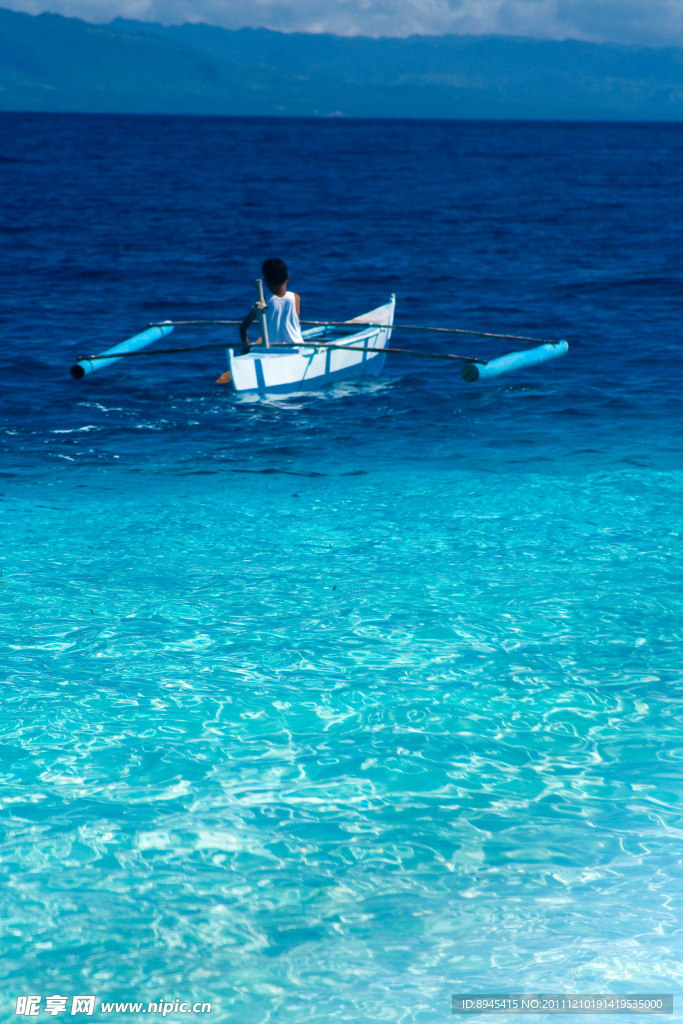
648,22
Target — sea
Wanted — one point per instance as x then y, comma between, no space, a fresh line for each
328,707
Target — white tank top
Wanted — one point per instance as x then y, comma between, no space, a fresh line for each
283,323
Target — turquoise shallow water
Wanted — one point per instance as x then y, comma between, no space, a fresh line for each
333,753
324,708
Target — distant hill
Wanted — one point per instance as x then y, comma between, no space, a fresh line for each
54,63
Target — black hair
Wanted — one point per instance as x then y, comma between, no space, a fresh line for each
275,272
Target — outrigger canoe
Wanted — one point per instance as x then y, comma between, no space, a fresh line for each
331,351
287,370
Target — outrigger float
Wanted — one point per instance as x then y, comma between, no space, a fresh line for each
332,351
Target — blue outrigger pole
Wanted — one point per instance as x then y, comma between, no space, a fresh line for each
85,366
513,361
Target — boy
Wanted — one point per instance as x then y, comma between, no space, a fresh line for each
282,314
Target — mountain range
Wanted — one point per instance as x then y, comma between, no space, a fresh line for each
52,63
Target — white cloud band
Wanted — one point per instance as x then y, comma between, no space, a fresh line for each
649,22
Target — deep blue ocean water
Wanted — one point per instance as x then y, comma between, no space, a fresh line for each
324,708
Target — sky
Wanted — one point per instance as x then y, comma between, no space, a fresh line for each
647,22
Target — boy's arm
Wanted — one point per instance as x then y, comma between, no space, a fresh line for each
297,303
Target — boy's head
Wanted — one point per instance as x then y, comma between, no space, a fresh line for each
275,273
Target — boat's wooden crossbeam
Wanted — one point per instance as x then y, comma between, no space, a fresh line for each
353,325
293,348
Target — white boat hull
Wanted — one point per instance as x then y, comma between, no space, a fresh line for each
287,371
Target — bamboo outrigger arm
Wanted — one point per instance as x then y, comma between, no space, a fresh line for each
355,324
